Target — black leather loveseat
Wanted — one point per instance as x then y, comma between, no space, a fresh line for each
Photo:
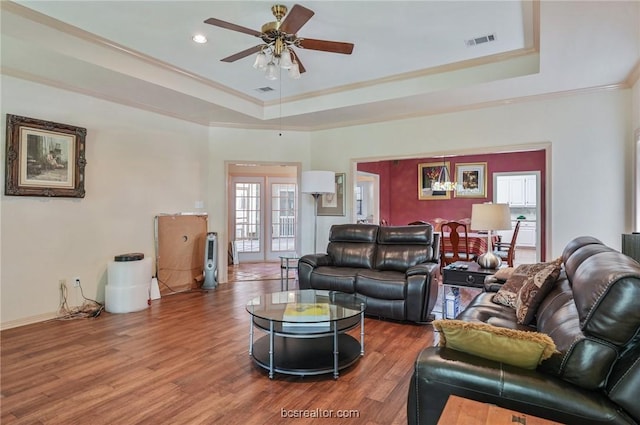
593,316
394,267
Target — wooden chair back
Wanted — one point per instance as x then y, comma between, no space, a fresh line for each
507,250
458,247
418,223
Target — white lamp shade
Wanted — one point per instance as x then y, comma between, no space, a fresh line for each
490,217
318,182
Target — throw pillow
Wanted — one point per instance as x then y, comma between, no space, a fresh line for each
534,290
504,273
509,292
518,348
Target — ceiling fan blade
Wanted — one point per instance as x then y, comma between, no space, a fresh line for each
326,46
295,19
297,59
243,53
232,27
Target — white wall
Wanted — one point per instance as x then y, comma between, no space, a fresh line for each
590,166
139,164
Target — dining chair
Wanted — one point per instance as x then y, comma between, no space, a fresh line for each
418,223
457,239
507,250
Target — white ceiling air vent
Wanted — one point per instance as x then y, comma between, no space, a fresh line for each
264,89
480,40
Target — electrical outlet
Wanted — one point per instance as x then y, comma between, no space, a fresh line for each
76,282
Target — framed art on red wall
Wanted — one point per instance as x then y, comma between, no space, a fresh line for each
428,173
471,180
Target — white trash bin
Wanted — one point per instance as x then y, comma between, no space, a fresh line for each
128,283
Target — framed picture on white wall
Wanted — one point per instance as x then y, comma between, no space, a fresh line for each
333,203
44,158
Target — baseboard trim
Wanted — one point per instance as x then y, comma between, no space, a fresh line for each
27,321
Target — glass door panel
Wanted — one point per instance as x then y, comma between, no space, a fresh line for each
283,218
248,229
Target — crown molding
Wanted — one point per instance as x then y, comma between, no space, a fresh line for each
480,105
86,36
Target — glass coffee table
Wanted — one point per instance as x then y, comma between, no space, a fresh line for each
306,331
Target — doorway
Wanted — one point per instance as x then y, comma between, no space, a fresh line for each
263,212
367,198
521,190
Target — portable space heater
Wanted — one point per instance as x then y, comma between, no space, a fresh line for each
211,261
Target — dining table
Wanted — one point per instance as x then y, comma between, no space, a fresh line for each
478,242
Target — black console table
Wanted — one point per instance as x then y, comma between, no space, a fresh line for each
463,274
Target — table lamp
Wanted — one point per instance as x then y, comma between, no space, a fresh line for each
317,183
490,217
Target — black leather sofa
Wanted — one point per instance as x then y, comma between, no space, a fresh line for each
395,268
592,315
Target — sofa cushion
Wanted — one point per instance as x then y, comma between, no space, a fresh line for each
606,290
401,247
352,245
387,285
355,255
582,360
592,314
482,309
334,279
518,348
534,289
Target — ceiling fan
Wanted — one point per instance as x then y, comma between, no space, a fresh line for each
279,38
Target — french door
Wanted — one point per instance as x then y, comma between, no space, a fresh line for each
264,217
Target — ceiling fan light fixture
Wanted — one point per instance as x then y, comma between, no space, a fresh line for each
261,61
279,38
285,59
272,71
294,71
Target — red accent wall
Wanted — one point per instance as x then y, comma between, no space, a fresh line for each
399,202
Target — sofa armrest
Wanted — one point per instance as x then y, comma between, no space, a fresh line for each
422,291
306,265
422,268
440,372
316,260
493,284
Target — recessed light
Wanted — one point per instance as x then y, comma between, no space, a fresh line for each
199,38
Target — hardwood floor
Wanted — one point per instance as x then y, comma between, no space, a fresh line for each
185,360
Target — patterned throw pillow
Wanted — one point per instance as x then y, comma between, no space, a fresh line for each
504,273
534,290
508,293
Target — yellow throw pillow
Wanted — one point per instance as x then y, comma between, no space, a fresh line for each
518,348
